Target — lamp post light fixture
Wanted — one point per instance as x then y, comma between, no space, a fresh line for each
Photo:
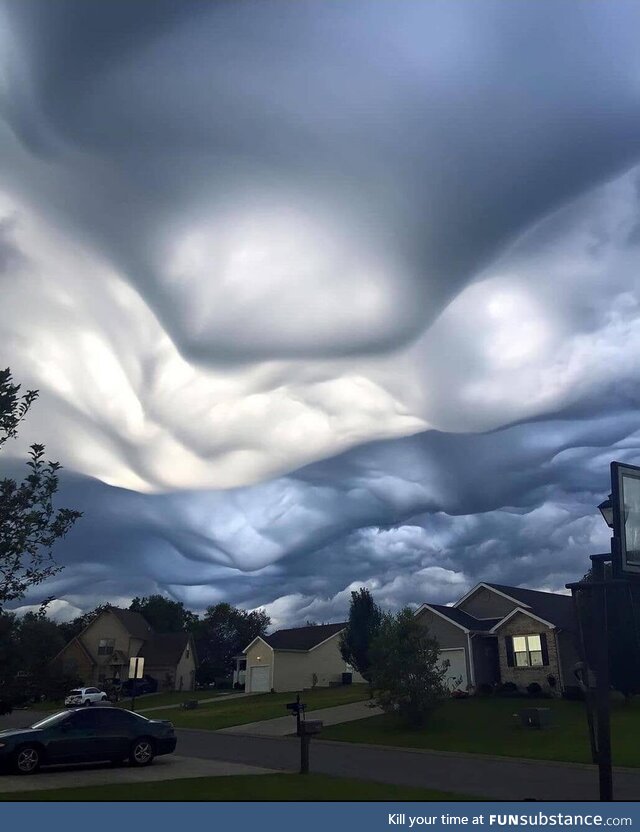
606,510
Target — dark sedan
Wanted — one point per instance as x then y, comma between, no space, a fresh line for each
86,735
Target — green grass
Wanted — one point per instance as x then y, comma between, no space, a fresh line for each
247,787
261,706
174,697
487,726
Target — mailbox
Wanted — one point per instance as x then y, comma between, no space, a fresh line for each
310,727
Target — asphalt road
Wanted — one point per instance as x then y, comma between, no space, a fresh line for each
496,778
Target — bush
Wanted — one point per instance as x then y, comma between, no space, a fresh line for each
406,670
508,689
534,689
485,689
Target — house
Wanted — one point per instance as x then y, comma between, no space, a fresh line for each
103,649
303,657
496,634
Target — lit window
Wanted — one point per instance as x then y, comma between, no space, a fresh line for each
527,651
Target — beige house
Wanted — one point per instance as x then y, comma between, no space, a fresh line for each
297,659
103,649
497,634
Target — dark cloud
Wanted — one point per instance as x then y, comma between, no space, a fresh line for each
266,234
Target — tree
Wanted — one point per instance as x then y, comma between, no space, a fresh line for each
29,525
364,623
407,674
222,633
623,627
164,615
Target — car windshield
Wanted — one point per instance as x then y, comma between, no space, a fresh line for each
54,719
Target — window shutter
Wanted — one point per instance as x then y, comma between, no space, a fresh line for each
545,650
509,645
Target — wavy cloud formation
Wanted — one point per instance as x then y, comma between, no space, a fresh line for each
318,294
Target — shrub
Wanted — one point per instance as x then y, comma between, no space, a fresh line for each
534,689
551,679
407,673
485,689
508,689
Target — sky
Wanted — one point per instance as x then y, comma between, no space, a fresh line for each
321,295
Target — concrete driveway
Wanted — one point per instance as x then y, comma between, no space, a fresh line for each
169,767
282,726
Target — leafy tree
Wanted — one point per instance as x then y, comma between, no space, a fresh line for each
407,674
38,640
364,623
29,525
222,633
623,627
164,615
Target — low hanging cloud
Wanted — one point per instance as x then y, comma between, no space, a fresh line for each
321,295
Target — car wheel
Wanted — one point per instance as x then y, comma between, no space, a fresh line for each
142,752
87,702
27,759
104,699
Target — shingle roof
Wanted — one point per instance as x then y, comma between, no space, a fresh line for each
552,607
136,624
302,638
164,649
464,619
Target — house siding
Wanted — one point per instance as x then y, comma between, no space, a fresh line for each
521,625
186,670
327,663
74,661
291,671
487,604
448,636
106,625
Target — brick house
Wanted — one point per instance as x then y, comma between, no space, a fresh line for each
103,649
496,634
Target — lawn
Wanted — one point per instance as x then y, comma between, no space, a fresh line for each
487,726
221,714
246,787
173,697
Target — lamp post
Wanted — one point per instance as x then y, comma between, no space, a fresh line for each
596,592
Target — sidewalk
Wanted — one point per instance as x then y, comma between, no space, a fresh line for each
285,725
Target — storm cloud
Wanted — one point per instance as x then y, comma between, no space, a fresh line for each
322,294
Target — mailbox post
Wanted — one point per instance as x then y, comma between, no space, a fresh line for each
307,729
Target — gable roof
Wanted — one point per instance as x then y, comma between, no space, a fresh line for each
552,607
134,622
462,619
164,648
303,638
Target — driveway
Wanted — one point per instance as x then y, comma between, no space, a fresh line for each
496,778
169,767
285,725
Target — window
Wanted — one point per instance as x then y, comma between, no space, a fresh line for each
86,719
188,654
527,651
106,646
92,690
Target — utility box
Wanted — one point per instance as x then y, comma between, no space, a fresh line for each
190,704
310,727
347,678
536,717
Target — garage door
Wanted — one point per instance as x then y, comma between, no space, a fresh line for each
457,671
259,679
